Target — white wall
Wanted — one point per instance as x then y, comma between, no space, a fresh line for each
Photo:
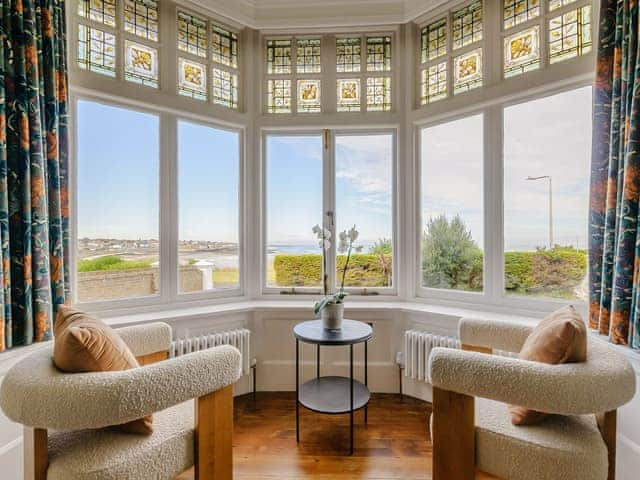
273,346
628,454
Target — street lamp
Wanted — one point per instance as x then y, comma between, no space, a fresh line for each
530,178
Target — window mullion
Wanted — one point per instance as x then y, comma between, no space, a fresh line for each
329,201
492,43
168,207
493,204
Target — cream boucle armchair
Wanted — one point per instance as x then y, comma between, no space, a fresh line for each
62,412
470,434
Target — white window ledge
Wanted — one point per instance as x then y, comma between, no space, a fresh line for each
304,306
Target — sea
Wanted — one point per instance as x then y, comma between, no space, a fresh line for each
231,260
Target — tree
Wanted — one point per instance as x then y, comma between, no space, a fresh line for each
450,256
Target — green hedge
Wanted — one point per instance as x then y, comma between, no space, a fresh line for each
112,262
553,272
365,270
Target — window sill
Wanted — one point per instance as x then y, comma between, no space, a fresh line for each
304,307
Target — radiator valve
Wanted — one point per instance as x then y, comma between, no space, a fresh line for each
400,359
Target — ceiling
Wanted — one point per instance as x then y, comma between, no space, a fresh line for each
280,14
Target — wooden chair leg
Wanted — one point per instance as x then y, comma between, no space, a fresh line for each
214,431
607,423
453,436
36,453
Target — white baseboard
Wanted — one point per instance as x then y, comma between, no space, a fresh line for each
627,459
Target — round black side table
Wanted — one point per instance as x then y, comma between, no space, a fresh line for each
332,395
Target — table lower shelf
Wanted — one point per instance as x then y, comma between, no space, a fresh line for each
332,395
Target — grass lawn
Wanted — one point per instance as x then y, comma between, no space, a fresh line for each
112,263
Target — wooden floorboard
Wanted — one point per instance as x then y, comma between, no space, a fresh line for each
394,445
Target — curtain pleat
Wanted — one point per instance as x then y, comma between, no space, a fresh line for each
614,249
34,211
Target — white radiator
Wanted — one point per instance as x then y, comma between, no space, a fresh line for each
238,338
417,347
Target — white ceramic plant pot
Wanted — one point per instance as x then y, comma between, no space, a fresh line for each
332,316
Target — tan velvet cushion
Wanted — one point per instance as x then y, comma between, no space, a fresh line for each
85,344
561,337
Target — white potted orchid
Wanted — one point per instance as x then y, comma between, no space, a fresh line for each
331,307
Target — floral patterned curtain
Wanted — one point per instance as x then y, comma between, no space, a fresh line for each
34,211
615,177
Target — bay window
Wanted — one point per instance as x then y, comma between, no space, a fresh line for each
488,206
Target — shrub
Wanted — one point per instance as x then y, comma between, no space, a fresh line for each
553,273
298,270
112,262
365,270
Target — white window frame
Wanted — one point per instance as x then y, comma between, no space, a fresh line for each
494,293
329,205
168,292
495,94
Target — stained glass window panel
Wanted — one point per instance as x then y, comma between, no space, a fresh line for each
141,64
556,4
101,11
224,46
141,18
192,79
379,54
522,52
570,34
348,54
467,25
519,11
349,95
379,94
308,55
279,96
96,51
434,83
278,56
434,40
309,96
467,73
225,88
192,34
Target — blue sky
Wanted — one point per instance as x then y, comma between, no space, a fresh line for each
363,186
118,169
550,136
